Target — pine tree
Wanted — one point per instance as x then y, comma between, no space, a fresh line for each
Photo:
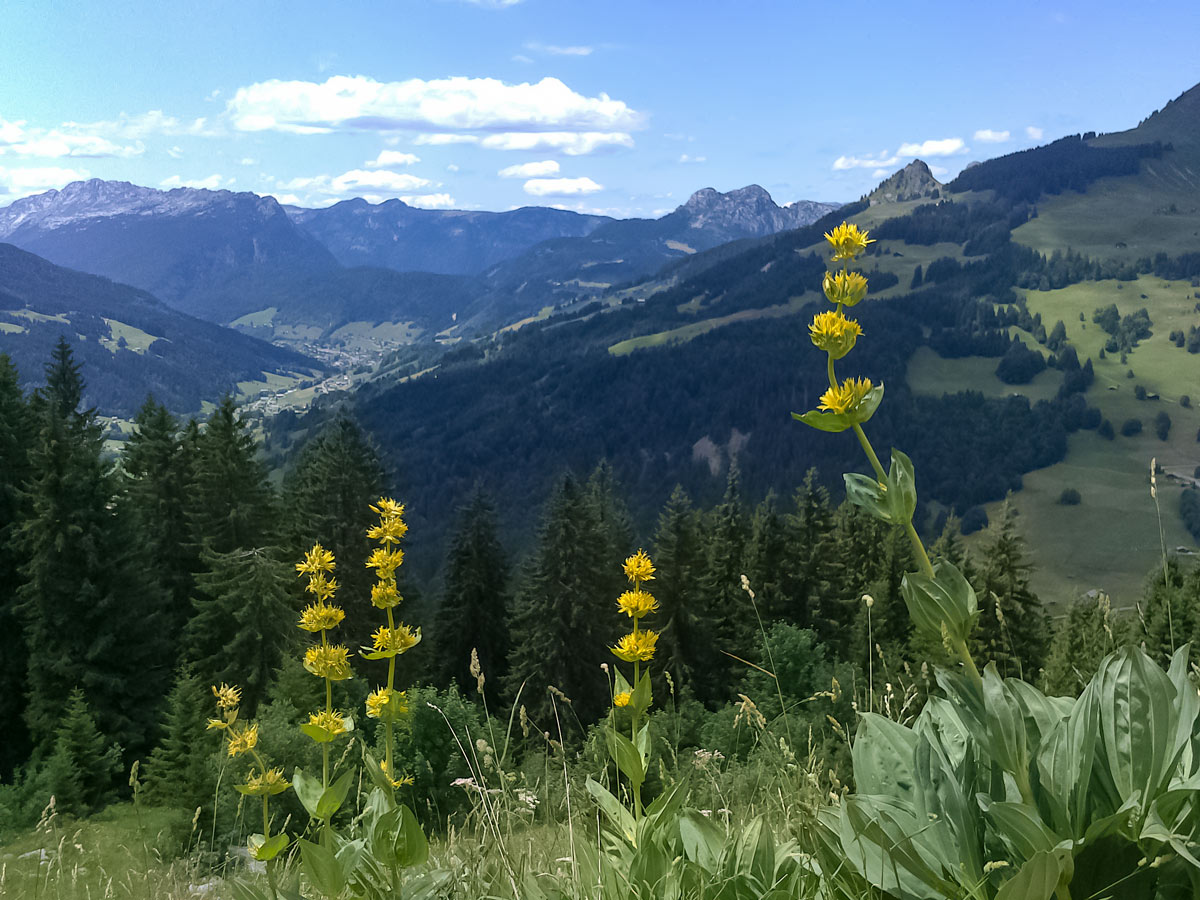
679,560
766,560
327,498
245,618
82,769
809,532
176,771
474,611
724,603
90,612
16,426
1012,623
231,503
1082,638
157,465
1169,610
562,625
855,551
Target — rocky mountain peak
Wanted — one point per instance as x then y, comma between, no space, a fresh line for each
747,212
913,182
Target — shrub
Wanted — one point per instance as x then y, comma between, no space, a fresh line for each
1106,430
1069,497
1130,427
1162,425
1185,401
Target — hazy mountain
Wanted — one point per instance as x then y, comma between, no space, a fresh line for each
397,236
180,245
129,343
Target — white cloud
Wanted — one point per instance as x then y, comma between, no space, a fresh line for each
882,160
18,183
522,58
211,183
559,50
144,124
430,201
440,140
57,143
559,187
987,136
247,161
451,167
394,158
175,152
1033,132
880,173
570,143
943,147
356,102
692,159
11,132
374,185
530,170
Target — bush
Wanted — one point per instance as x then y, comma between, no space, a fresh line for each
1106,431
974,519
1139,392
1162,425
1189,511
1069,497
1019,364
1130,427
1185,401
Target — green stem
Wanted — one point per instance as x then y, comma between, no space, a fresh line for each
880,474
266,820
637,674
969,664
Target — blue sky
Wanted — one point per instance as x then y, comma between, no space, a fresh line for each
618,107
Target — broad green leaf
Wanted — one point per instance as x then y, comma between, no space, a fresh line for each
946,599
868,494
887,844
942,797
883,757
1065,762
627,757
308,791
703,840
321,868
1019,826
263,850
1007,743
332,797
1042,713
618,816
825,421
1036,880
901,488
412,848
640,699
243,890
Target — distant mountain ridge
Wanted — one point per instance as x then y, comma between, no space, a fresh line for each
394,235
129,343
914,182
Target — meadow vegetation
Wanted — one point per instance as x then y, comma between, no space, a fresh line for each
784,699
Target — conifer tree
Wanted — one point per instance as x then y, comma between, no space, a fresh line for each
1012,623
327,499
176,771
854,560
766,559
1082,638
679,561
16,426
1169,610
231,503
562,626
245,618
157,465
82,769
474,611
809,533
725,604
90,611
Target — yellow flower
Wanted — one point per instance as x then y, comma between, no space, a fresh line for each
834,333
385,562
330,721
270,782
320,617
389,530
847,241
637,604
637,647
846,288
387,508
216,723
318,559
321,587
376,701
332,662
846,396
622,699
403,781
396,640
639,568
244,740
384,594
227,697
